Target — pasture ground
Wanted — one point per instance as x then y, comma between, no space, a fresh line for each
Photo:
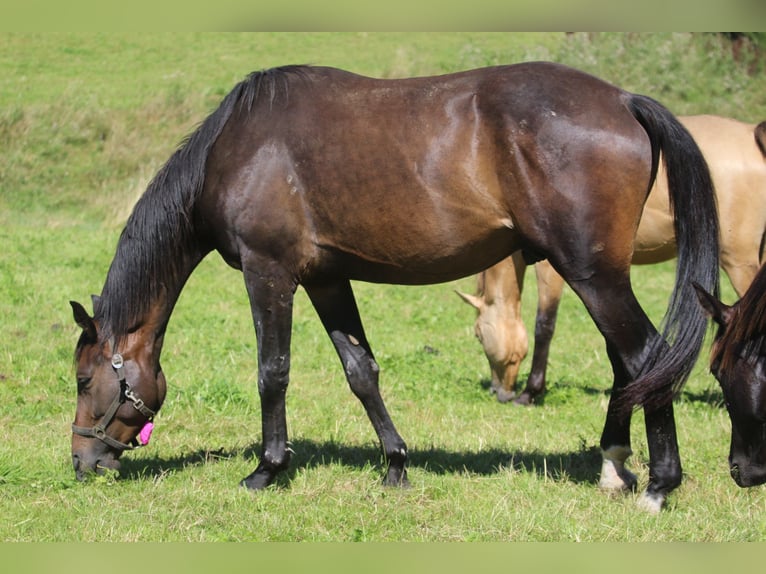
87,119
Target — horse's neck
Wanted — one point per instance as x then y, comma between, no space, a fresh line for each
145,302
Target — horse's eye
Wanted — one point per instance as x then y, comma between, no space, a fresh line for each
82,383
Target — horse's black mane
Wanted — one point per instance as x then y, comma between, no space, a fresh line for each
745,335
158,242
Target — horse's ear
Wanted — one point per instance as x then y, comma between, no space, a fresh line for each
719,312
84,320
474,301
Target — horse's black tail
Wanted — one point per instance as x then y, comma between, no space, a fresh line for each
695,218
760,137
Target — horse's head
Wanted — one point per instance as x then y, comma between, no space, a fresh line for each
118,394
503,337
741,371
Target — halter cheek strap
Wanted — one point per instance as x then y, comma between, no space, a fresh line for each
126,393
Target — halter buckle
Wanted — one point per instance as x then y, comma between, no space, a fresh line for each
138,403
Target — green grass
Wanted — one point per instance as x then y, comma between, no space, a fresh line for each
85,120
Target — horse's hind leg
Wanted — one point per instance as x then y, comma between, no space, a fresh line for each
630,338
338,311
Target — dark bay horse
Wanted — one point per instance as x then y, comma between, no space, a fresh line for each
738,361
736,156
314,176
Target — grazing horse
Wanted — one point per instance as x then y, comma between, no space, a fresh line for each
315,177
738,361
735,153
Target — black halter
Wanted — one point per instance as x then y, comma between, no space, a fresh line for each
99,430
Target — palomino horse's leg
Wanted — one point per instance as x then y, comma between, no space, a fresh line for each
550,287
338,311
271,301
740,268
630,337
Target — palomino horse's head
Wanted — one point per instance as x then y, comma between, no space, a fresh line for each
118,393
738,362
503,337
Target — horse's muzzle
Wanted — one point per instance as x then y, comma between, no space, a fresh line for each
748,475
86,466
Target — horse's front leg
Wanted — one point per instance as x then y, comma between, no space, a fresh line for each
271,300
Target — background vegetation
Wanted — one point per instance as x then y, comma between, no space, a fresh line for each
86,120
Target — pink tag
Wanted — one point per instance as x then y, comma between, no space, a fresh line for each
146,433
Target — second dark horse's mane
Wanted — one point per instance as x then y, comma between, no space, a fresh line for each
158,238
745,335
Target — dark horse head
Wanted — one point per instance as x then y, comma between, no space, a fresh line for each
738,361
118,394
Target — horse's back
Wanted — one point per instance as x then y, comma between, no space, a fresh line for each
421,179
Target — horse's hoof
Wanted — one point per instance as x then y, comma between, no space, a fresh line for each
397,478
503,396
524,400
258,480
651,503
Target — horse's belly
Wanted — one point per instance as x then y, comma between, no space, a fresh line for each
418,258
655,238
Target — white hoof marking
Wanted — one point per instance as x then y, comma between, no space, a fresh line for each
651,503
614,475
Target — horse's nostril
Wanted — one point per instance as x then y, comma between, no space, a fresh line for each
79,472
734,472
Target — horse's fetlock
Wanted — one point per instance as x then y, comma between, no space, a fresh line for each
276,461
614,475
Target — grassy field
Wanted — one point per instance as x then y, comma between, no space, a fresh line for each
86,120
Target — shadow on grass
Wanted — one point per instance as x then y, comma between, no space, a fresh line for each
581,466
559,390
712,396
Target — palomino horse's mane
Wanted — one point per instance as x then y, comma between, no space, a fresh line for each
745,335
158,241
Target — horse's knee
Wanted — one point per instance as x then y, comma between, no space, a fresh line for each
274,375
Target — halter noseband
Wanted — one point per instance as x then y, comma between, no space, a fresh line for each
99,430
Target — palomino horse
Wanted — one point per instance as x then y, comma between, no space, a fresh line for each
313,176
735,155
738,361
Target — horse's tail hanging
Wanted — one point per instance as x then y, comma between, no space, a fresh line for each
760,136
695,218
